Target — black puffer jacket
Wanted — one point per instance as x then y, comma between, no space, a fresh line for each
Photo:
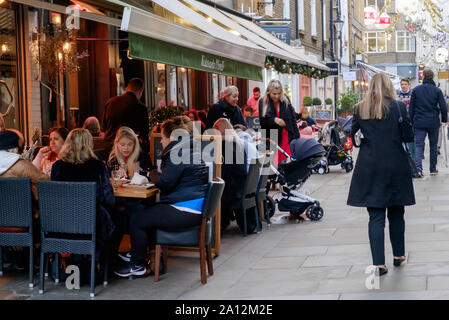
286,113
426,105
182,181
222,109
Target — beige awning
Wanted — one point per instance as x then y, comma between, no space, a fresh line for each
62,9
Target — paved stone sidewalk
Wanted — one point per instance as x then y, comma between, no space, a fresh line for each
310,260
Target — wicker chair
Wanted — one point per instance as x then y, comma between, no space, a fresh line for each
261,193
17,216
248,200
68,223
200,236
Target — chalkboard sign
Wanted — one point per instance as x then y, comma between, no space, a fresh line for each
155,147
322,114
253,123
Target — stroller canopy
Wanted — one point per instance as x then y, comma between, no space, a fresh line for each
303,148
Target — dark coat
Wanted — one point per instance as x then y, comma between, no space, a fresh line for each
222,109
126,110
426,105
286,113
183,181
91,171
382,175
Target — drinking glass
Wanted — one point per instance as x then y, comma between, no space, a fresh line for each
115,179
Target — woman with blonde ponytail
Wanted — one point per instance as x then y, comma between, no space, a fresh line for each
275,112
382,178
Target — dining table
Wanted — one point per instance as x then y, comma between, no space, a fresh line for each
136,192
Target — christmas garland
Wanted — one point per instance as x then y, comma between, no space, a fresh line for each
284,66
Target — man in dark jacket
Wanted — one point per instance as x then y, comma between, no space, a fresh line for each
226,108
127,110
427,105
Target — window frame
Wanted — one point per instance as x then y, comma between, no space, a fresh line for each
406,35
367,38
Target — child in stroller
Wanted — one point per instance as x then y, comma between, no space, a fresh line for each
291,174
334,141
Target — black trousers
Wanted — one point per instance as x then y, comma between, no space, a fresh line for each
376,228
160,216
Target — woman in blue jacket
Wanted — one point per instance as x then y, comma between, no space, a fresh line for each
182,187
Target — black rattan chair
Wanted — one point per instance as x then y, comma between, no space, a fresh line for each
68,223
15,211
261,192
248,200
199,236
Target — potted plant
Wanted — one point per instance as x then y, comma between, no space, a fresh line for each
316,102
307,102
158,116
328,102
347,102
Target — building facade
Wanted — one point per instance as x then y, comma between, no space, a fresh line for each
391,49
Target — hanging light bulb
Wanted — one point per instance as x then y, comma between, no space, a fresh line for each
4,48
66,47
60,56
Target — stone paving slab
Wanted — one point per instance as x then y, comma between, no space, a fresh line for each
299,261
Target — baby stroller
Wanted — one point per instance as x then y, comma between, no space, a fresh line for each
333,139
292,176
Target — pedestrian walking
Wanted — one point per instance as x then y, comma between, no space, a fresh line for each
227,108
404,95
382,179
127,111
427,105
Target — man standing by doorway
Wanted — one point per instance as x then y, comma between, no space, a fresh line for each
426,106
127,110
253,102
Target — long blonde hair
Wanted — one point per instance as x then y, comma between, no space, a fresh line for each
272,85
376,103
125,132
77,148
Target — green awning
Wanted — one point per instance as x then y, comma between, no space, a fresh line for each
145,48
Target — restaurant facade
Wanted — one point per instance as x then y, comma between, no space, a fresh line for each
185,51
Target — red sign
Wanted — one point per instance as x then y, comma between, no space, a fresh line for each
384,20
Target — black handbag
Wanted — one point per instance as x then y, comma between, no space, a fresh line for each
405,127
407,136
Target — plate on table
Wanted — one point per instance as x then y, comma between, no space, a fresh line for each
145,185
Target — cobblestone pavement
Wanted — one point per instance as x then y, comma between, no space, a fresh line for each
309,260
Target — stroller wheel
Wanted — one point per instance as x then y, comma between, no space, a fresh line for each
271,206
321,170
348,167
314,213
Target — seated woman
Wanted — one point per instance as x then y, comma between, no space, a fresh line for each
11,165
126,154
93,125
78,163
234,172
47,156
183,188
127,157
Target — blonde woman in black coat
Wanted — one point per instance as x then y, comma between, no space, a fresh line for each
382,179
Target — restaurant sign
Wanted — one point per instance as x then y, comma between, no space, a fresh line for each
217,64
280,32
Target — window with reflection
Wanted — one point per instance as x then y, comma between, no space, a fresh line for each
160,94
172,96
